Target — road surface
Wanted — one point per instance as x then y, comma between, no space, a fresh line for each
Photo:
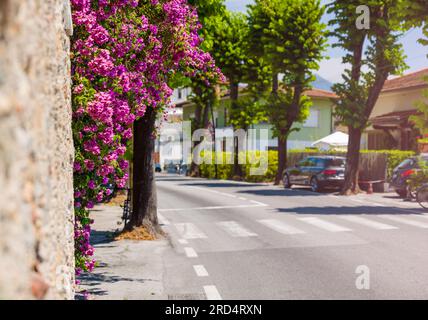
236,240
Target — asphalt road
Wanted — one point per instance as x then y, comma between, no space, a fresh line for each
235,240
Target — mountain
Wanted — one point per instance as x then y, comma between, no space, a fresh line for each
321,83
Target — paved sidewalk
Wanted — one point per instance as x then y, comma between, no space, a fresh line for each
128,270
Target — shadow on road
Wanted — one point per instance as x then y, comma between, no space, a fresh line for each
354,210
283,192
221,184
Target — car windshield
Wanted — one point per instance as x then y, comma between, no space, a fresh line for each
406,163
336,163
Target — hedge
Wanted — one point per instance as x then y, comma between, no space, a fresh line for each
225,171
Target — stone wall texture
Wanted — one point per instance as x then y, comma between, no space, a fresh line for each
36,151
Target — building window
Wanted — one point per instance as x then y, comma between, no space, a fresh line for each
313,120
179,94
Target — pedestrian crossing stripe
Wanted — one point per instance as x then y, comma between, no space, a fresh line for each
280,226
322,224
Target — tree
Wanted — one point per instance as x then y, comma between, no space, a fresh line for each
416,15
227,42
291,37
203,89
376,50
177,47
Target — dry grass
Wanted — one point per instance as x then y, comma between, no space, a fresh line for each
140,233
118,200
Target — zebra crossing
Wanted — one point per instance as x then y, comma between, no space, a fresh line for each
296,225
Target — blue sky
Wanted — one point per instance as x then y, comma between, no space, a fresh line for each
331,69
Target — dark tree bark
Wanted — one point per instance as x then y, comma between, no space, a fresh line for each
144,197
352,162
282,157
237,169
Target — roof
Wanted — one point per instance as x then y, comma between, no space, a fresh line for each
411,80
393,119
319,93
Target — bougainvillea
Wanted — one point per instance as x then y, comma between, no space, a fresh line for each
123,53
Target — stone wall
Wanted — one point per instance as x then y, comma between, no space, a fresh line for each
36,151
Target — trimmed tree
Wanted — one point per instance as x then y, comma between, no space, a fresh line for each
227,42
291,37
373,54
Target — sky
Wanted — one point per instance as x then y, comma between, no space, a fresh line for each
332,69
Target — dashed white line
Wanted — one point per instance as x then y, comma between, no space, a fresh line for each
190,252
189,231
212,293
329,226
234,229
369,223
280,226
183,241
200,271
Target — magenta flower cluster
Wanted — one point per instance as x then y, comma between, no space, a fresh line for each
123,54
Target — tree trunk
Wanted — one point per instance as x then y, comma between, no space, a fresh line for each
144,197
234,95
282,158
352,162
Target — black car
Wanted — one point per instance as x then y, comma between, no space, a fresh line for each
403,171
318,172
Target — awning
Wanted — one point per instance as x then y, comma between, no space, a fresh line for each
393,120
335,140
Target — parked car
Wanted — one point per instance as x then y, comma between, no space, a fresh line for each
158,168
403,171
318,172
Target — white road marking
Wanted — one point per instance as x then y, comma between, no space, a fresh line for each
329,226
215,191
242,198
212,293
406,221
163,220
235,229
183,241
369,223
259,203
200,271
190,252
189,231
280,226
214,208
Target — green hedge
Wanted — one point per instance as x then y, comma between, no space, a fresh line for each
225,171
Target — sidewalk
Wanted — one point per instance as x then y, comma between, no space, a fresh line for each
127,270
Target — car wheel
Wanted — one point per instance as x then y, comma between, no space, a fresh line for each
402,193
315,185
286,181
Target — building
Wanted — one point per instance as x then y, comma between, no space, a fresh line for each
390,127
318,125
